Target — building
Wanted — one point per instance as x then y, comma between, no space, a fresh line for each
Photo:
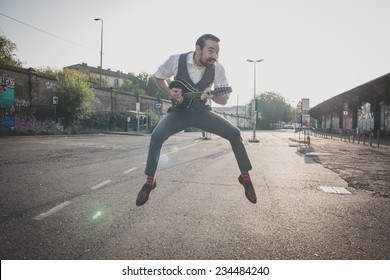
235,110
113,78
363,108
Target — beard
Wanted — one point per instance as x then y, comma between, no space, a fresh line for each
209,62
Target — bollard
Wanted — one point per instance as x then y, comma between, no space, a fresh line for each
370,138
377,136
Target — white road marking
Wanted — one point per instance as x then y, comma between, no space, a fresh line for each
129,170
51,211
182,148
98,186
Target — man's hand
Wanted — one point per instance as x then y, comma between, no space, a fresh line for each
206,94
177,95
219,99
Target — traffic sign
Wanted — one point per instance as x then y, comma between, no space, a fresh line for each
158,105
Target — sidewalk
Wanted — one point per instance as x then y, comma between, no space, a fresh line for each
362,166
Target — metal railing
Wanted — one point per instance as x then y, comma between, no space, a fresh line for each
365,137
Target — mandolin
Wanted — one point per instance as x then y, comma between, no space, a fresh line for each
190,93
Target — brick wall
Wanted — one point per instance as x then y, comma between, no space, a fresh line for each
33,91
30,87
121,101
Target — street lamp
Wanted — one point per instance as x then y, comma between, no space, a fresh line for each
254,99
101,49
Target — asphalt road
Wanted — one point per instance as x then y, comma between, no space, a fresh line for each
74,198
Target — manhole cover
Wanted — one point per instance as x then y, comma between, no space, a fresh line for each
318,154
336,190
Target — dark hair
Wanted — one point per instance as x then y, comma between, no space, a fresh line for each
202,39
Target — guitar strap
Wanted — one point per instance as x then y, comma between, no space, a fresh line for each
206,81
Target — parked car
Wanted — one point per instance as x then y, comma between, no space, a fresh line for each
288,126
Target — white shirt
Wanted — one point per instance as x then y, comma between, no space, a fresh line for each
170,67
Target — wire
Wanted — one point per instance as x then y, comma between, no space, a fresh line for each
48,33
59,37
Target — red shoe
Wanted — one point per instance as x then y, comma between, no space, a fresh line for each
249,190
143,194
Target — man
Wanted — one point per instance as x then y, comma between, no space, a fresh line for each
198,70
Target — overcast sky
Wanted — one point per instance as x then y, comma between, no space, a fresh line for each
311,49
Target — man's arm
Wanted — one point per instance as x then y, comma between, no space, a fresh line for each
174,93
221,99
163,85
220,80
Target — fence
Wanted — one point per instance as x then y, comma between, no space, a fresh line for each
365,137
239,121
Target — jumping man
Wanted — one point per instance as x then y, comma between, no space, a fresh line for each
198,70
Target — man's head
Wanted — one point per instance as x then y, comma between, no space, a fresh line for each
202,39
207,50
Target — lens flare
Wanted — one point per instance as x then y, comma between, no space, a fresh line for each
174,149
164,159
96,215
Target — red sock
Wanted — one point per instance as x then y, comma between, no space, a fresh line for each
150,179
245,175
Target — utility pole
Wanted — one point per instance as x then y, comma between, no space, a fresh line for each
255,111
101,49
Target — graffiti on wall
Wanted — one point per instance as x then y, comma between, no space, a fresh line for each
365,118
7,109
385,117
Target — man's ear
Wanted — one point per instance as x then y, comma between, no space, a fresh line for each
198,49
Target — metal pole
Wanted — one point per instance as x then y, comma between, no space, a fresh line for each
254,97
237,111
295,113
101,49
137,121
55,113
377,135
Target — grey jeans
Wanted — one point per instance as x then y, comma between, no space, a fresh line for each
177,120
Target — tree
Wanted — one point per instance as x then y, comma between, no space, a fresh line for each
143,84
154,90
7,49
47,70
272,108
75,96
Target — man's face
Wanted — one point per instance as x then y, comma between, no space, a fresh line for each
209,53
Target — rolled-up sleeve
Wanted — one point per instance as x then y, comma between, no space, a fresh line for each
168,68
220,79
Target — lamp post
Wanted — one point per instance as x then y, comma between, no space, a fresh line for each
254,99
238,119
101,49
